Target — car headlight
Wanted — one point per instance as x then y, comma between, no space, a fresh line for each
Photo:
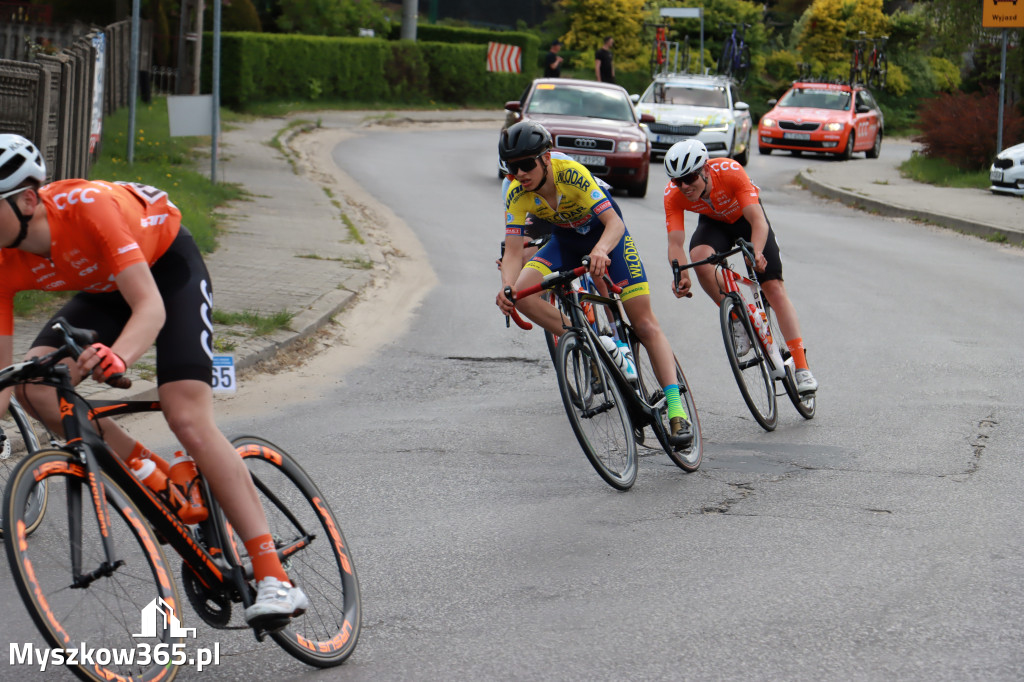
768,122
627,146
833,127
717,128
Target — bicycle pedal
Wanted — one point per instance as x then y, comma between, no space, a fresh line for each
270,627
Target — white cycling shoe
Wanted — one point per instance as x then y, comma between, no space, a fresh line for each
805,382
275,600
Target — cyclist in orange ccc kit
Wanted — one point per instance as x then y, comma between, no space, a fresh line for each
141,280
730,208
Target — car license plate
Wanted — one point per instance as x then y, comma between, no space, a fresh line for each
671,139
996,176
796,136
587,160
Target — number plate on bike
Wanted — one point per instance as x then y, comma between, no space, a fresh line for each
224,374
587,160
796,136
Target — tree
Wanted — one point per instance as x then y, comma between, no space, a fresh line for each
332,17
827,23
592,20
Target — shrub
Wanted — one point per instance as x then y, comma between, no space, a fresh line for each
960,128
945,74
895,81
781,65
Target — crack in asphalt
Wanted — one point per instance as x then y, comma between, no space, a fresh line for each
743,491
978,445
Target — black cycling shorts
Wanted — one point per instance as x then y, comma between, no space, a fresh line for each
722,236
184,347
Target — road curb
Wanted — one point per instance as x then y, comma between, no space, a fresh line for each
978,228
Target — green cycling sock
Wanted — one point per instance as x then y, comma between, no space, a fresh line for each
675,405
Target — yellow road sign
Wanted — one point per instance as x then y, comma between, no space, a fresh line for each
1002,13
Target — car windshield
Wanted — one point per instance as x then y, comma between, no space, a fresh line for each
571,101
816,98
692,95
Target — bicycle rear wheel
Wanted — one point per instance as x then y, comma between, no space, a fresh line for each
743,65
751,368
596,411
725,63
300,518
804,404
687,458
35,505
106,612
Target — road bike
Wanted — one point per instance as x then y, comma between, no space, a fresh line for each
768,360
878,64
608,411
96,560
735,61
858,67
9,458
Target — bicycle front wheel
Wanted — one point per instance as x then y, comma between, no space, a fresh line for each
750,368
113,611
687,458
317,556
804,404
743,65
596,411
725,63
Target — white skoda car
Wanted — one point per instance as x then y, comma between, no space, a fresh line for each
704,107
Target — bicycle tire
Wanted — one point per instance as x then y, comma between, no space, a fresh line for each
804,405
751,370
883,69
328,632
725,63
742,65
651,392
597,411
105,614
36,504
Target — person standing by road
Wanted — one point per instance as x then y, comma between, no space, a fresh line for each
604,68
730,208
553,61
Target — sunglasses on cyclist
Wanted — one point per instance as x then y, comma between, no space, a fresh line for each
687,179
525,165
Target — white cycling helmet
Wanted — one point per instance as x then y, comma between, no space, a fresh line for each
686,157
19,161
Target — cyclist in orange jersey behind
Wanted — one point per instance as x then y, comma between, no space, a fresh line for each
730,208
141,279
585,222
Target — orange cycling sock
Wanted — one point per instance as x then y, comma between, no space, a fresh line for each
796,348
265,563
142,451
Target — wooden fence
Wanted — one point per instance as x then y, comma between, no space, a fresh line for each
59,100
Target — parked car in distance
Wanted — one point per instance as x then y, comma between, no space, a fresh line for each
593,123
829,118
705,107
1007,172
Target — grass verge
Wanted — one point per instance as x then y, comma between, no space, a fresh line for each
942,173
260,324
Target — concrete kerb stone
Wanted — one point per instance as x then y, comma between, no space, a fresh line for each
806,179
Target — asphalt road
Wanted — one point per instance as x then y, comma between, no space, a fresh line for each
881,540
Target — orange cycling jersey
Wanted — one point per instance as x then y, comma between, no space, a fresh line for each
731,192
97,229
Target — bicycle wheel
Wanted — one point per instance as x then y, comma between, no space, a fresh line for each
36,503
725,63
299,515
883,69
651,392
803,404
742,66
751,369
107,611
596,411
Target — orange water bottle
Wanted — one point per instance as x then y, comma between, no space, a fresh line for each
147,471
185,475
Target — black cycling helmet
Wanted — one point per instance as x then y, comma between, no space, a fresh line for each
523,140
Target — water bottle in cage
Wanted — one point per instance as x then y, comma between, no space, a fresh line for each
621,354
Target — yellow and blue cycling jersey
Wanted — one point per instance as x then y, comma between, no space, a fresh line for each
580,201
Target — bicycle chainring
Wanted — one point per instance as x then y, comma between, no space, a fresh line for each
213,607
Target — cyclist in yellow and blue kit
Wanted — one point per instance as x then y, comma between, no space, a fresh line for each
586,221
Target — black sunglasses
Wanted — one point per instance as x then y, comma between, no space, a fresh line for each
525,165
687,179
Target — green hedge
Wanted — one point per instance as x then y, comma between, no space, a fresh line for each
263,67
